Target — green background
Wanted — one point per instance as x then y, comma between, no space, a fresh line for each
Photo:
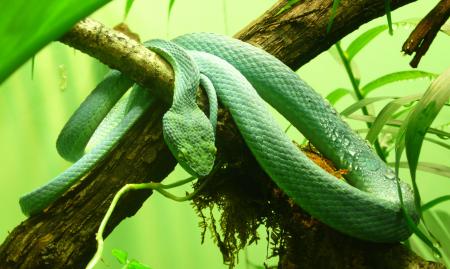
165,234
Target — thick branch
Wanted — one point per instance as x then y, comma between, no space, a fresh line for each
420,39
120,52
63,236
299,35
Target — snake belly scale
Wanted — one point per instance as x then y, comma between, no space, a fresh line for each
367,207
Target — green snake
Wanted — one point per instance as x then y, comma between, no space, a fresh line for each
367,206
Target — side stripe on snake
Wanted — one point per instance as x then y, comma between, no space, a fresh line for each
367,207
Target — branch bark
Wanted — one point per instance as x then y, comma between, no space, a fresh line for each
420,39
63,235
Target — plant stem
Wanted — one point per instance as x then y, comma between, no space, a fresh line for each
358,94
151,185
434,202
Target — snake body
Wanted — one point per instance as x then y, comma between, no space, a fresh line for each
367,208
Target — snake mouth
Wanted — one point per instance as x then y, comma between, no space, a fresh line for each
197,162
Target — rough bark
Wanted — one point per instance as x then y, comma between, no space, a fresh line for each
118,51
419,41
63,235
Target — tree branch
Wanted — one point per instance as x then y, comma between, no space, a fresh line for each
118,51
420,39
63,235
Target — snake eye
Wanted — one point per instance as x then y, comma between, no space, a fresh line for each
190,138
182,153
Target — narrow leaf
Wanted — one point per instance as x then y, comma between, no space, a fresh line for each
442,134
387,8
437,222
438,142
399,147
421,234
169,10
289,5
437,169
444,240
137,265
402,112
386,113
41,22
365,38
361,41
333,14
337,94
350,67
436,201
419,121
362,103
121,256
128,6
335,54
353,66
396,77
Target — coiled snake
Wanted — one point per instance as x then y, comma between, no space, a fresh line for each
367,207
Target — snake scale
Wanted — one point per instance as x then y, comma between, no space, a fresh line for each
367,206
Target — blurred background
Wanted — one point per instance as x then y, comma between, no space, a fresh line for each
165,234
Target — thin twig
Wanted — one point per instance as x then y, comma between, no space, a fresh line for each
423,35
159,187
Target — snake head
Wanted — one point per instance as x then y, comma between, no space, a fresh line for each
190,138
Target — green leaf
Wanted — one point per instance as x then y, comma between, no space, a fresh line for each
361,41
169,10
437,222
393,133
438,142
121,256
27,26
438,200
386,113
421,117
387,8
353,66
350,67
422,235
437,169
333,14
412,132
402,112
289,5
395,77
362,103
128,6
337,94
365,38
137,265
398,123
399,147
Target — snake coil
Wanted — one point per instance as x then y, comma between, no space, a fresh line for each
367,207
